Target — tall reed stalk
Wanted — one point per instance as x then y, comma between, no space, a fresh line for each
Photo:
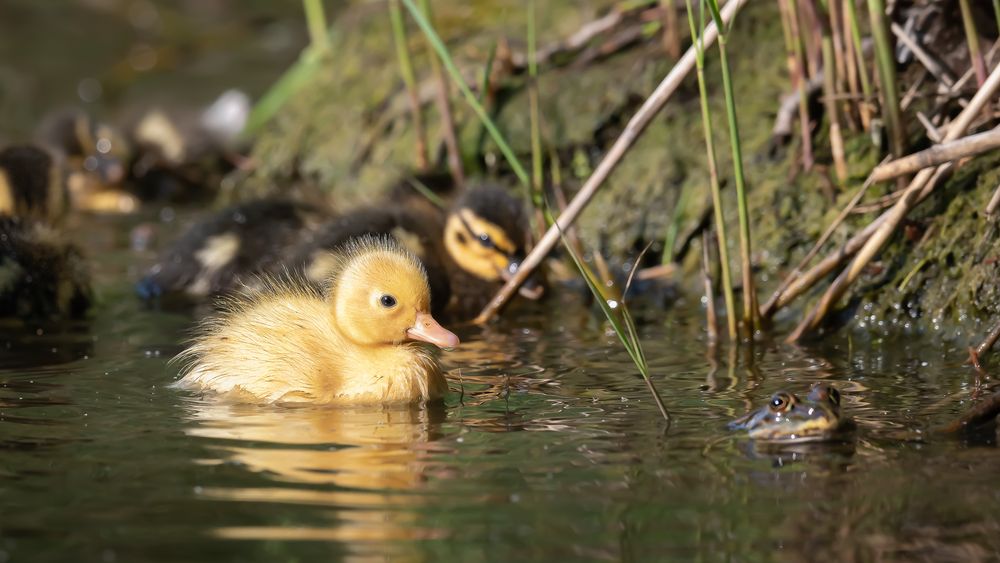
409,80
830,101
887,75
972,37
713,167
535,116
456,75
750,309
448,130
797,72
859,57
316,22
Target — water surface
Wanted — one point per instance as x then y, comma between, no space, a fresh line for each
548,448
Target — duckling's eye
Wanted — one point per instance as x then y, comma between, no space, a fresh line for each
387,301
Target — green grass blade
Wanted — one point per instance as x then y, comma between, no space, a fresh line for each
470,98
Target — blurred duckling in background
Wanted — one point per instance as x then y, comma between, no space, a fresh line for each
41,276
181,154
354,343
31,183
217,254
95,158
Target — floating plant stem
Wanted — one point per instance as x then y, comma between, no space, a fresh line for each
456,75
887,74
713,170
409,79
750,310
620,319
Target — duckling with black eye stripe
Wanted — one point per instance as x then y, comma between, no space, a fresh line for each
484,237
468,253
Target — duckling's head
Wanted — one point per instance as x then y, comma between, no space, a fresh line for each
380,295
484,234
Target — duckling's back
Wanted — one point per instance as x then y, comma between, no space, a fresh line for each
218,253
41,276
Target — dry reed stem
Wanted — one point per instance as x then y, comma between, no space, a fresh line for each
942,74
671,35
991,207
443,99
773,303
832,111
797,72
895,215
653,104
972,37
848,249
938,154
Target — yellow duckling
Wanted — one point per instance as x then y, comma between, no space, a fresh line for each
351,344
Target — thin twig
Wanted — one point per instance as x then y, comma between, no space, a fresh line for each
772,304
946,152
664,91
942,74
895,215
845,251
991,207
444,108
410,81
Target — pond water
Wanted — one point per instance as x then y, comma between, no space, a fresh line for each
548,448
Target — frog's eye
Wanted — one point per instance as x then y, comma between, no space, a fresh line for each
780,402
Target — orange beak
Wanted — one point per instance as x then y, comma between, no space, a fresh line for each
426,329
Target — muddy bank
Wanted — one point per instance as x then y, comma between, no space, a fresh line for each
348,132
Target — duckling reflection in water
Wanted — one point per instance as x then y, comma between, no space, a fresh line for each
355,343
364,463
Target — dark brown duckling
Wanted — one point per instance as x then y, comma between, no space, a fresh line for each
181,154
467,252
94,156
31,183
416,229
484,239
41,275
215,255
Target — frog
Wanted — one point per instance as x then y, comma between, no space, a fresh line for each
790,419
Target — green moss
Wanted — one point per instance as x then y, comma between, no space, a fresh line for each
348,132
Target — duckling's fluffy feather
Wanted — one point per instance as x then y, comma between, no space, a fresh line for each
278,341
